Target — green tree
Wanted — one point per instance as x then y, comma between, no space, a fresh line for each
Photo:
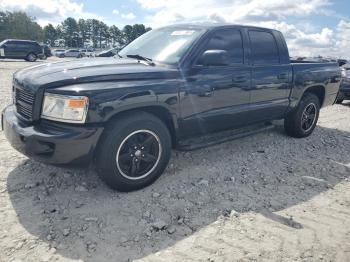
4,25
50,34
127,34
102,33
94,28
138,30
70,32
83,31
116,36
75,34
19,25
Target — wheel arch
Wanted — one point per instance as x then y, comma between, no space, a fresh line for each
318,90
159,111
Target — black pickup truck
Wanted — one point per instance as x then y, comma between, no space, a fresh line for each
126,113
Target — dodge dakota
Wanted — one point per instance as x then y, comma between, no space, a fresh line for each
126,113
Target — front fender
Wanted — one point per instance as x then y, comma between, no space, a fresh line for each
103,109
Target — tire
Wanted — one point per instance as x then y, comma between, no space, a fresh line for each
123,139
300,123
31,57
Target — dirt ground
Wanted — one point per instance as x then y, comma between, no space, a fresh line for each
267,197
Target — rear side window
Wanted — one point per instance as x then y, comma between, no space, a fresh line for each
229,40
264,48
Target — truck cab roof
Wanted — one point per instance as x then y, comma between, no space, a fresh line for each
210,26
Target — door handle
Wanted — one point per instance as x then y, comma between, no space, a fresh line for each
239,79
282,76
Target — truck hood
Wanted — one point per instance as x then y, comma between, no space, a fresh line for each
51,75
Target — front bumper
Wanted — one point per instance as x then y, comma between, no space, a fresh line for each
50,142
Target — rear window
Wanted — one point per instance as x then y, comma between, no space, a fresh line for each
264,48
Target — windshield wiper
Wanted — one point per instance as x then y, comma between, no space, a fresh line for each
140,57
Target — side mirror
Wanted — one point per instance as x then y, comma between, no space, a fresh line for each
214,58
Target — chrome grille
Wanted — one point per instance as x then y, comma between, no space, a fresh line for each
24,103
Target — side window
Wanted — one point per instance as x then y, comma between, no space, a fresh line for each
264,48
229,40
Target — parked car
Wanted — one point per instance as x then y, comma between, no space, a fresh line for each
58,52
72,53
171,84
20,49
88,52
344,92
108,53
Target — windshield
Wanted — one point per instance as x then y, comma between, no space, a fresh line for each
166,45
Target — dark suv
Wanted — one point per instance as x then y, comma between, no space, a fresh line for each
20,49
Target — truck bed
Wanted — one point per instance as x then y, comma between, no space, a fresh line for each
321,74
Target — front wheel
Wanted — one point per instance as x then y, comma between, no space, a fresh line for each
302,121
134,151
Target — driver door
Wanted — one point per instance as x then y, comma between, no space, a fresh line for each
216,97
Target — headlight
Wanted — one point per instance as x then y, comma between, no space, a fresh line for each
63,108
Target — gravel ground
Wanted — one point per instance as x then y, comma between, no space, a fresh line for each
268,197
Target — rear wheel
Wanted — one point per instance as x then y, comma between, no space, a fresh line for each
133,152
302,121
31,57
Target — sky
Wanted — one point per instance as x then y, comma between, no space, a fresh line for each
311,27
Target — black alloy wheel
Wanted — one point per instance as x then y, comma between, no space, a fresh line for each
133,151
302,121
138,154
308,117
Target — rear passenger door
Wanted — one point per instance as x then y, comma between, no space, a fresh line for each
22,48
271,75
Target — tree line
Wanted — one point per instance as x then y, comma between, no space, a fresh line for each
70,33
